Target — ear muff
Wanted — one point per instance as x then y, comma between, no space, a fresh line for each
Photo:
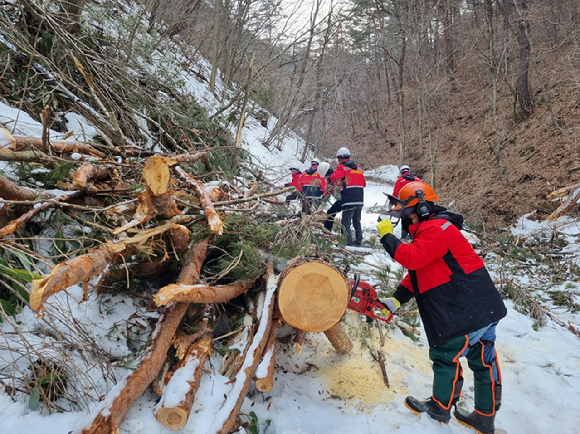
423,207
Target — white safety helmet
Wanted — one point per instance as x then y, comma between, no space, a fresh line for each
343,153
314,162
294,166
323,168
404,169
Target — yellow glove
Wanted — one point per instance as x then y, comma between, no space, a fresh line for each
392,305
385,227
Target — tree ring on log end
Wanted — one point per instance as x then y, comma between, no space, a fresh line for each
313,296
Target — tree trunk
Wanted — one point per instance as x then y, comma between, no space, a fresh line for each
523,86
120,400
175,406
313,295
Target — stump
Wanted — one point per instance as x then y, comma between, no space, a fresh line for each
312,295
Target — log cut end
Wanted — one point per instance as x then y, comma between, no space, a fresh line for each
313,296
172,418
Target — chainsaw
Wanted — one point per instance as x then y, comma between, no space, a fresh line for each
364,300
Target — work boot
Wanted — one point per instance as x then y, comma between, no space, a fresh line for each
482,424
429,406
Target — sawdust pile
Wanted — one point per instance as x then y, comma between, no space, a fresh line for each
358,379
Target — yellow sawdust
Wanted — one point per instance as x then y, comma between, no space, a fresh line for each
358,378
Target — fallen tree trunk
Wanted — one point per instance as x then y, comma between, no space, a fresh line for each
119,401
225,421
175,405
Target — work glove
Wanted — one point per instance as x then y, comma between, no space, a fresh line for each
391,303
385,227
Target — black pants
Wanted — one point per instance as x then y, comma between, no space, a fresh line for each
331,213
351,215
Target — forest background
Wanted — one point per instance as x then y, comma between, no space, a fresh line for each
479,97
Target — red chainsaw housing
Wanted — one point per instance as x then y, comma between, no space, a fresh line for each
364,300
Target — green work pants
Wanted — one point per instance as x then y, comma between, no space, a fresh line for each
481,359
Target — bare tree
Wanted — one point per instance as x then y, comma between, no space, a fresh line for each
523,85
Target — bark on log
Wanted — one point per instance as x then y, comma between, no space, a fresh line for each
339,339
64,275
16,224
84,267
313,294
264,375
298,341
87,172
200,293
225,419
11,191
119,401
174,407
60,147
215,222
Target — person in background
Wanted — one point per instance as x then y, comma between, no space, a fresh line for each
312,186
296,173
458,303
326,171
405,176
351,180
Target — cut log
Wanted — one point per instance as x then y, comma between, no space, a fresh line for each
175,405
264,375
225,420
313,294
119,401
215,222
64,275
339,339
201,293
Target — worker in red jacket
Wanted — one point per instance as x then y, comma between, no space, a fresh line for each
312,186
458,303
405,177
351,180
296,173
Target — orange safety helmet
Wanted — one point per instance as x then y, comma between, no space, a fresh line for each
409,196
